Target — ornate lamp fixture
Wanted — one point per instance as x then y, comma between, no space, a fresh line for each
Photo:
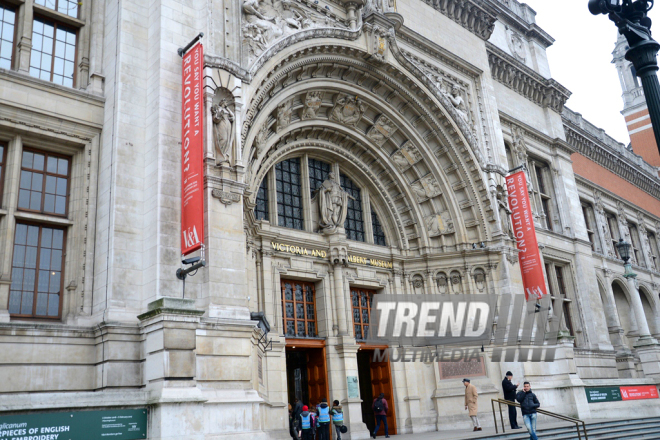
623,247
630,17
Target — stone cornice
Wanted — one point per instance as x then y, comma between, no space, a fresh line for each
522,18
477,16
532,133
609,155
525,81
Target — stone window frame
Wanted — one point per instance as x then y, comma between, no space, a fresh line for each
591,225
45,173
79,246
3,166
308,198
613,229
565,289
636,245
22,47
360,309
305,303
14,9
543,191
653,245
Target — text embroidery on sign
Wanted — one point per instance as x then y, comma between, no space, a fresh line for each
192,197
525,234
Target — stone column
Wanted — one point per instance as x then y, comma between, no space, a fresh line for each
646,346
339,304
613,322
24,38
638,309
339,258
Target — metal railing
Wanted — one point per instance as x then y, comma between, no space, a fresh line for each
577,422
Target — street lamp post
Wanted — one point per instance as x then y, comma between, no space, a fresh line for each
645,338
630,17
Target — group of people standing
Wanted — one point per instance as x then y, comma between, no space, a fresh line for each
527,399
308,425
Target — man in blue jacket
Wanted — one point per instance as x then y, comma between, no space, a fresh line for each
528,405
323,417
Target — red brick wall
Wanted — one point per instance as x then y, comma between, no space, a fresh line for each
643,142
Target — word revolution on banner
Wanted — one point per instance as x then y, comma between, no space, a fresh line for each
192,152
525,233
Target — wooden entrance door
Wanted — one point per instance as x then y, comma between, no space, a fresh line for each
381,382
317,376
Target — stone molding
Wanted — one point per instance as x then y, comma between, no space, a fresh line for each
525,81
476,16
521,17
609,154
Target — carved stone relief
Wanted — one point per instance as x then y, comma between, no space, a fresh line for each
480,281
407,156
333,205
438,225
518,146
516,45
382,130
441,282
222,116
456,283
348,110
504,212
284,114
426,188
260,139
313,102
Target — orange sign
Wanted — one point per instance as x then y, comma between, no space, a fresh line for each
640,392
192,152
525,233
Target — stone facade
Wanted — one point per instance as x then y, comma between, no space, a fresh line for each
418,107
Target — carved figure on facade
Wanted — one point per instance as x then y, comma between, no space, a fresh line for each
518,145
333,204
516,45
504,211
313,102
456,284
406,156
382,130
438,225
480,281
426,188
260,139
418,284
284,111
222,115
348,110
441,282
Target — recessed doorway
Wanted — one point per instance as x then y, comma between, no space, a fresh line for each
375,378
306,373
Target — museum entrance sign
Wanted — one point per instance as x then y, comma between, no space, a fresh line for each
124,424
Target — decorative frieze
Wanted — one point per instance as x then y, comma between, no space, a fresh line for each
476,16
525,81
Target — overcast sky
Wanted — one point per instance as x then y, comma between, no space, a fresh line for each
581,60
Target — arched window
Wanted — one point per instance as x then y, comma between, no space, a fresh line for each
379,235
261,209
289,194
354,223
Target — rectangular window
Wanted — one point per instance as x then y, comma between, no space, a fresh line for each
354,223
44,185
261,208
318,173
379,235
653,244
289,194
3,152
53,53
7,32
299,309
636,245
590,222
37,267
563,295
613,226
544,194
361,304
67,7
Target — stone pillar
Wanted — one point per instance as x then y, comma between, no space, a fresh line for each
339,258
638,309
613,322
339,304
169,371
342,365
646,346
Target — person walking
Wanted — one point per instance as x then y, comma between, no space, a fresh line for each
337,415
509,390
306,425
323,415
295,413
380,411
528,405
471,403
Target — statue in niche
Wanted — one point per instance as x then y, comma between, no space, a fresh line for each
313,101
347,110
333,204
457,101
441,281
223,130
504,211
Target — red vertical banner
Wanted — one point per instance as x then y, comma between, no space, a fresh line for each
525,233
192,151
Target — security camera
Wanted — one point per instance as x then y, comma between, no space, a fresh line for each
597,7
191,260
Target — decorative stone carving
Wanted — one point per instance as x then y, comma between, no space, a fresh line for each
441,282
426,188
333,205
348,110
516,45
284,114
382,130
458,102
504,211
313,102
480,281
378,42
227,198
417,282
438,225
222,115
512,256
518,145
456,284
260,139
406,156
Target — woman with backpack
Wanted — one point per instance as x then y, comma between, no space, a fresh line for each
380,411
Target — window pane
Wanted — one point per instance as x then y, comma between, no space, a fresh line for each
53,304
52,192
14,301
318,173
38,162
26,303
379,234
287,174
28,158
261,209
7,18
354,224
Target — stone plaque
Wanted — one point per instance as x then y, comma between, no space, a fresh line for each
353,389
459,370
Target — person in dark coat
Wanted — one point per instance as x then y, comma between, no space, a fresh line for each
380,411
528,405
510,394
295,414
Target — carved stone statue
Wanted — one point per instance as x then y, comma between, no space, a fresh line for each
223,132
504,211
313,101
267,25
382,130
458,102
348,110
333,204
